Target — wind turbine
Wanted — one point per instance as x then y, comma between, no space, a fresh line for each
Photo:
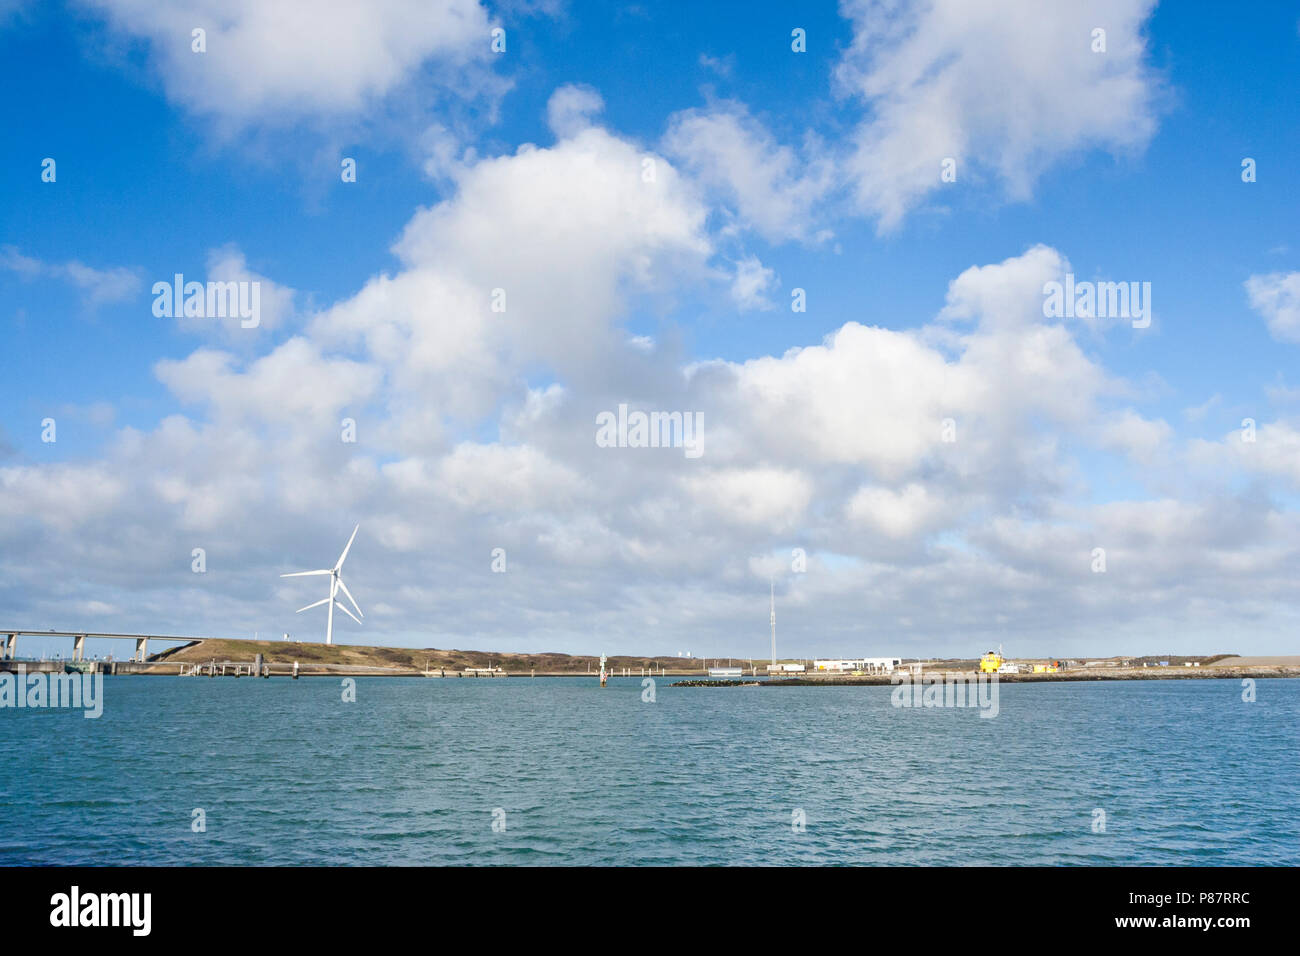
336,585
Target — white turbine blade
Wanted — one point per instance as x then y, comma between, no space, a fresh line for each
344,608
344,556
345,590
310,606
299,574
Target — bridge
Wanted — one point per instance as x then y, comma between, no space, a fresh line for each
10,635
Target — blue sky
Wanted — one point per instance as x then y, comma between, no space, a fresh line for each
1127,171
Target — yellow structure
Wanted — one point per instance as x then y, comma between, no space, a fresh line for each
991,662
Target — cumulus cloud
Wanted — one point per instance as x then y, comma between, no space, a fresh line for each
1005,89
225,265
771,188
295,57
1276,296
1269,449
572,108
771,498
752,283
1134,435
897,514
928,466
293,384
585,229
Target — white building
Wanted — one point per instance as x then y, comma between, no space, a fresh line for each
867,665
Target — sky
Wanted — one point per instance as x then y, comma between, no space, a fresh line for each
826,234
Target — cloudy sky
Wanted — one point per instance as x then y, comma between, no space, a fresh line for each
824,230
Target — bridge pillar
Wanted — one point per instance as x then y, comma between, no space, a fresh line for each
10,650
141,649
79,647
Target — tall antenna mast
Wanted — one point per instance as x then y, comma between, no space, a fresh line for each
773,587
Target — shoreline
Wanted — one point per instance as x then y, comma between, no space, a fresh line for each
233,657
1228,672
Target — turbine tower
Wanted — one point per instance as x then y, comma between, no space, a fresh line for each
336,585
772,584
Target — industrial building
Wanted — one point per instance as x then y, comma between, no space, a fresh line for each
860,665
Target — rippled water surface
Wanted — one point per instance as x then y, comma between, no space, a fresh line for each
288,773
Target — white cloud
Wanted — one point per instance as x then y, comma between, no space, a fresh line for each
293,384
97,286
723,66
65,497
1274,451
100,286
571,109
1276,296
275,302
751,285
772,188
772,498
297,57
501,477
1006,89
1134,435
584,229
476,431
896,514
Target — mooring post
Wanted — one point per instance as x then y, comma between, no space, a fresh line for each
295,670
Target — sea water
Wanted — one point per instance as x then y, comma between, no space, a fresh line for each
559,771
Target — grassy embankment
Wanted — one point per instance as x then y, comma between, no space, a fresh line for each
345,658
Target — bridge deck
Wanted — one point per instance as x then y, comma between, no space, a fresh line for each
135,637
